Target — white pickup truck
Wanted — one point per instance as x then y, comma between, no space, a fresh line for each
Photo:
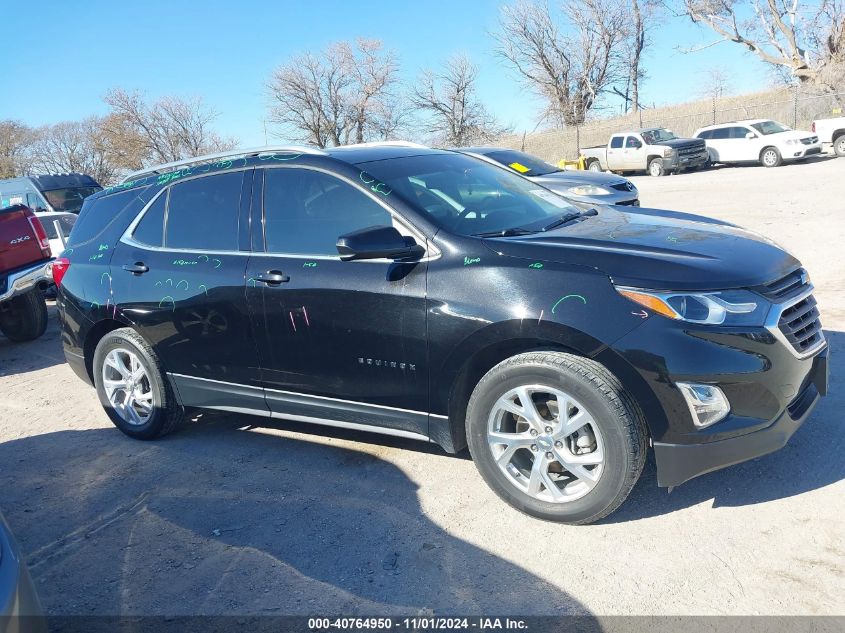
655,150
831,131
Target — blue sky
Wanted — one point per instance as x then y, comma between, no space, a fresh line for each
66,55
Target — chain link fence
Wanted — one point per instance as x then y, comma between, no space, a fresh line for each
795,107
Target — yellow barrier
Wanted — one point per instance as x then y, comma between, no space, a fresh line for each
581,163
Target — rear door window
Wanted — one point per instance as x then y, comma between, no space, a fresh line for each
202,214
721,133
616,142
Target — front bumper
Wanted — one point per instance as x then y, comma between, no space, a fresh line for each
677,463
22,280
770,387
678,163
795,152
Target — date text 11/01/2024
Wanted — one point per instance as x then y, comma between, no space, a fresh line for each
417,624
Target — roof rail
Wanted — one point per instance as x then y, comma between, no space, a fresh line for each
239,153
385,144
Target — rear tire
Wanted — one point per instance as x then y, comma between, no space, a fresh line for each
655,167
583,474
770,157
24,318
594,165
133,388
839,145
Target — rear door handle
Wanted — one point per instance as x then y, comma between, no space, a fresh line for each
138,268
272,277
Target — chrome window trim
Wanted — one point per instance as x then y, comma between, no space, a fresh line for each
773,319
432,251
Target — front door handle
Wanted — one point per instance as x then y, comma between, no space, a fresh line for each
138,268
272,277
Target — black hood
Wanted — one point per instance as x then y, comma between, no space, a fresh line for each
662,250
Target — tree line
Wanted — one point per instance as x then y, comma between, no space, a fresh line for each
575,56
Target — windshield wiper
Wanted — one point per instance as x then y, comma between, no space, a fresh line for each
568,218
516,230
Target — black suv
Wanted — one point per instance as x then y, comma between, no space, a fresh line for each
428,294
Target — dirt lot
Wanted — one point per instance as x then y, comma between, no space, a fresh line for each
226,517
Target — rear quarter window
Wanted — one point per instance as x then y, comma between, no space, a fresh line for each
106,216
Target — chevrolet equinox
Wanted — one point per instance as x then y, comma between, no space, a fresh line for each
431,295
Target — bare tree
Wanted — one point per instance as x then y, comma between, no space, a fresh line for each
74,146
346,93
570,58
448,100
809,43
167,130
16,140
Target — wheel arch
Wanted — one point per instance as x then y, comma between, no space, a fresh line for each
94,335
481,353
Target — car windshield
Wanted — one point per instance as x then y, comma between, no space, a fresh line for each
769,127
69,198
525,164
466,195
653,137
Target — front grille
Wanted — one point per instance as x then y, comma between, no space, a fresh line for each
623,186
799,321
800,324
691,150
784,287
810,140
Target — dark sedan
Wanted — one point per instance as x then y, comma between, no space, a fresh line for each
584,186
19,606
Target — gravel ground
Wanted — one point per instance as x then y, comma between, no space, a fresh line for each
226,517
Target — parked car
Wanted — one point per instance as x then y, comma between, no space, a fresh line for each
757,141
24,257
584,186
831,131
55,192
655,150
20,610
431,295
57,226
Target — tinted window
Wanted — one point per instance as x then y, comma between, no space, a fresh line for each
739,132
150,229
523,163
202,214
306,211
616,142
706,134
721,133
97,215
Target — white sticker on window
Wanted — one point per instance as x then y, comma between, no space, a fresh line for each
551,198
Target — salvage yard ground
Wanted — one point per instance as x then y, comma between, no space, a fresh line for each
245,516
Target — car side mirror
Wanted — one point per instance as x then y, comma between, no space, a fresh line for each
378,242
750,135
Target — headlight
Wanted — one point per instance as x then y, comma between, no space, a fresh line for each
668,151
588,190
792,141
727,307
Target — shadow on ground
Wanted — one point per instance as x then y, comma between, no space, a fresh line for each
813,458
218,520
46,351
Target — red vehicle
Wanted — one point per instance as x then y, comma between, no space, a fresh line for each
24,258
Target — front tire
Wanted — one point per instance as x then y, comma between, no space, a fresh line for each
655,167
133,388
770,157
24,318
556,436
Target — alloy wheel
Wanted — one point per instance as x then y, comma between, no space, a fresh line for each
127,386
546,443
770,158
